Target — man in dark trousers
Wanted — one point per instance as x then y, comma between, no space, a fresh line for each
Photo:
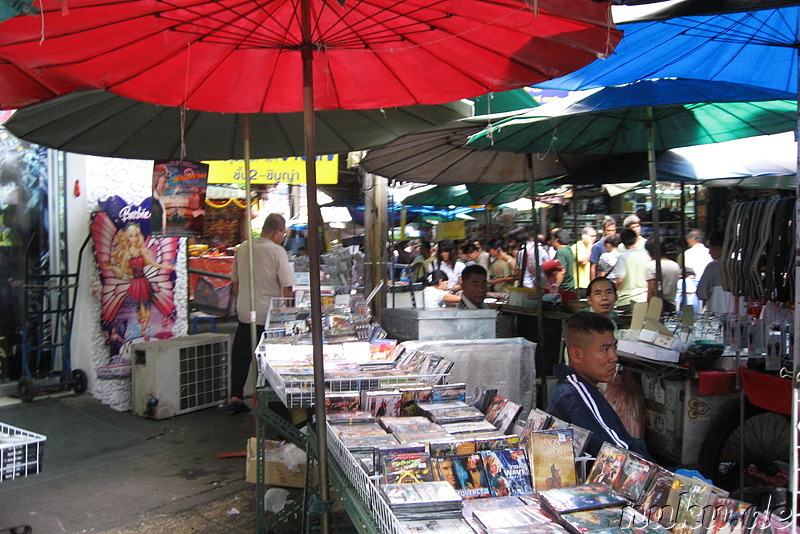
592,351
273,278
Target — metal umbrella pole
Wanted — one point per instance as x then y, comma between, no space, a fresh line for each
651,166
249,229
313,253
538,267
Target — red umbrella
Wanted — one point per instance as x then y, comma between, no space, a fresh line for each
250,56
244,55
20,87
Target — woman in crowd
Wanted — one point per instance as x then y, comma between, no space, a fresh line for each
435,294
447,262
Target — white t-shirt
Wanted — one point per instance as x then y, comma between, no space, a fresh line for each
527,257
272,272
697,257
452,272
433,298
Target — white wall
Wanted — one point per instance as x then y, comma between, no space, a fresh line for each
100,178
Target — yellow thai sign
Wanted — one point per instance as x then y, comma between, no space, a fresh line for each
274,170
451,230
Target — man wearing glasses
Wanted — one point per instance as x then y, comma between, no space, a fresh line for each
273,278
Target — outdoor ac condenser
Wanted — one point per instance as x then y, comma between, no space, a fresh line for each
180,375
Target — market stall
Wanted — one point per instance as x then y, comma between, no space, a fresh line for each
397,430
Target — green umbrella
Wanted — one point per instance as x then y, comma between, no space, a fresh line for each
100,123
620,119
475,194
644,116
503,101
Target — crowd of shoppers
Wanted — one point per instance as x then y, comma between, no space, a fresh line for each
619,254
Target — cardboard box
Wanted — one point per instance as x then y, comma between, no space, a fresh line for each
646,350
275,473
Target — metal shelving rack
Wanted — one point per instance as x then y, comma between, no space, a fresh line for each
360,497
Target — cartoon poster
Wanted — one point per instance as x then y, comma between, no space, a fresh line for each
137,280
179,198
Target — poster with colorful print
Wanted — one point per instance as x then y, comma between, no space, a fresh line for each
137,280
179,198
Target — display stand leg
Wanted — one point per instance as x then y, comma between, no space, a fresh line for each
266,418
742,407
310,491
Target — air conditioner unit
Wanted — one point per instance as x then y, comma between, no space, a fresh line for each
180,375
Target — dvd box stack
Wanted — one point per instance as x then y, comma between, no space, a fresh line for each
423,500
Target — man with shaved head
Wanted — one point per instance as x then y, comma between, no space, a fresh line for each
592,350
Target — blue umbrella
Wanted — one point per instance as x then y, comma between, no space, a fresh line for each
754,48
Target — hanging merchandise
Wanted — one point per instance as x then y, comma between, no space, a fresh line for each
179,192
758,254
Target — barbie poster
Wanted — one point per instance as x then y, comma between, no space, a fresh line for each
137,279
179,194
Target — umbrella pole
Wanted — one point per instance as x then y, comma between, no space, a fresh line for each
313,253
683,233
537,270
249,229
651,166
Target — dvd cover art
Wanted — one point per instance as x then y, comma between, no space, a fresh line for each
342,401
466,474
623,520
383,350
653,501
451,447
608,466
634,476
580,436
381,403
494,442
559,501
508,472
350,418
455,415
591,520
469,426
446,392
507,416
686,502
731,516
414,423
494,408
482,396
552,459
406,467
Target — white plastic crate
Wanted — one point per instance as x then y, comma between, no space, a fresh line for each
20,452
180,375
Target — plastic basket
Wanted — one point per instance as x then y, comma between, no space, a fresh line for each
20,452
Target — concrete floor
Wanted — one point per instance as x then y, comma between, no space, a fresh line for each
110,472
